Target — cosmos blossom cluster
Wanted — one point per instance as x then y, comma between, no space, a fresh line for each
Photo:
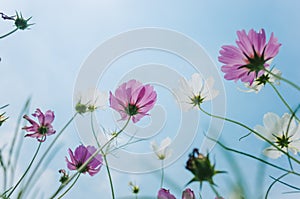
248,61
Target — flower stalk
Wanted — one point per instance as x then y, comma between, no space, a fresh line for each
26,171
256,133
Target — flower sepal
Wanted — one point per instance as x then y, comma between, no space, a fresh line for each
201,167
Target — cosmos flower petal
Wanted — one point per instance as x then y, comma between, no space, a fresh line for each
271,122
49,117
41,117
162,151
272,152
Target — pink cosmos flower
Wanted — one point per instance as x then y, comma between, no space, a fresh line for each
248,60
44,128
81,155
165,194
188,194
133,99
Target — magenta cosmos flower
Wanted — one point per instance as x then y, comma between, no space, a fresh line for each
44,128
248,60
133,99
165,194
80,156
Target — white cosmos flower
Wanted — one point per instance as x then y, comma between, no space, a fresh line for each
163,151
284,132
93,99
191,93
260,82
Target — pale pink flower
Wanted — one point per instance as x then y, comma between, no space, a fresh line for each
80,156
43,128
248,60
133,99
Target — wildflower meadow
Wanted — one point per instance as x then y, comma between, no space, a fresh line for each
100,101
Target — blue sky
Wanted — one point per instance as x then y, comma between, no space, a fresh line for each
45,61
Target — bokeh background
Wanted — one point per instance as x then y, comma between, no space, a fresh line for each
43,63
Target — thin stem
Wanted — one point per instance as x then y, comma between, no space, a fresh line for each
69,187
283,100
93,130
5,177
109,176
30,164
89,159
286,184
2,164
11,32
13,142
271,185
290,163
47,151
283,79
105,160
162,174
254,157
214,190
248,128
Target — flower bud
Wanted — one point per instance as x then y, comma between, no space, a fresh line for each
81,108
64,176
188,194
165,194
201,167
22,23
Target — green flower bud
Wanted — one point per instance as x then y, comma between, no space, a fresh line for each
64,176
22,23
81,108
201,167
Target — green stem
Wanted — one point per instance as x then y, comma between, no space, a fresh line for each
276,180
290,162
46,152
30,164
254,157
69,187
105,160
109,176
284,101
11,32
256,133
5,177
14,153
286,184
283,79
83,166
214,190
93,130
162,174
